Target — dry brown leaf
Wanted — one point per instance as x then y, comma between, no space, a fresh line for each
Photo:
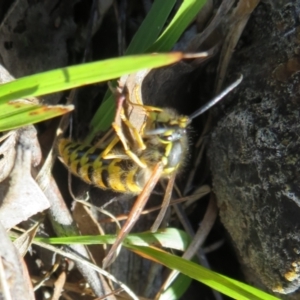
23,242
20,195
132,84
14,279
88,225
7,155
59,285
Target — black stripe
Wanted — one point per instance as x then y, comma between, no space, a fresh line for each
78,167
93,156
105,177
123,178
82,152
72,148
90,173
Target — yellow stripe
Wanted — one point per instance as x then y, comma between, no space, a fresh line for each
62,143
83,172
114,179
97,178
131,184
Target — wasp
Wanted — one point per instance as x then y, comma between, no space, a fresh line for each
133,161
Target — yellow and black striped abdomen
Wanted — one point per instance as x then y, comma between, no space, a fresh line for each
117,174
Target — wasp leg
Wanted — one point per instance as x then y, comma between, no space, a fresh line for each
109,147
119,111
122,138
116,156
136,136
138,94
134,213
137,91
146,108
120,117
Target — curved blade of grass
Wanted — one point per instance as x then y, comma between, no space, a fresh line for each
15,114
223,284
184,16
70,77
168,238
151,27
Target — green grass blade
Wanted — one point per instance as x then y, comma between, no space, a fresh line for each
168,238
176,239
184,16
223,284
151,27
75,76
15,114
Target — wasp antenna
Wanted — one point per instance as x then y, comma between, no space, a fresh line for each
215,100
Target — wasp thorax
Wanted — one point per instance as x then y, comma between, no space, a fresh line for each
177,154
168,136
